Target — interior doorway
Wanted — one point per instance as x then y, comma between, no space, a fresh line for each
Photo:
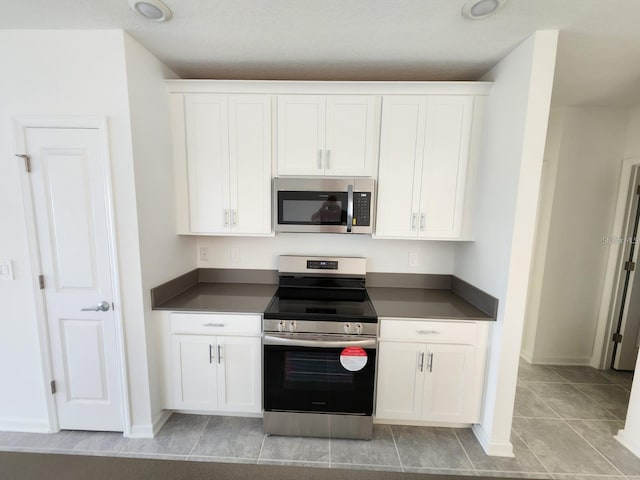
67,191
621,345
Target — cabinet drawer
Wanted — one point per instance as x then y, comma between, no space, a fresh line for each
428,331
216,324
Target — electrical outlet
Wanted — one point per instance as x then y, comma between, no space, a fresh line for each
234,255
204,254
412,259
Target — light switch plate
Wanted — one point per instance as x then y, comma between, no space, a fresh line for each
6,270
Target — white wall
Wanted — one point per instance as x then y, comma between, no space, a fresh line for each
584,198
545,204
163,254
498,262
632,147
382,255
64,73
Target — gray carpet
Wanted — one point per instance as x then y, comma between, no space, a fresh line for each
34,466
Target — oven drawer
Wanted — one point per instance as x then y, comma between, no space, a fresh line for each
445,331
216,324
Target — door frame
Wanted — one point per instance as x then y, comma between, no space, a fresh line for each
607,319
100,124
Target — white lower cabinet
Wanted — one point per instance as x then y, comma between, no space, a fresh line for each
430,372
215,373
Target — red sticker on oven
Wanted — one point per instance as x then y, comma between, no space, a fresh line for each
353,358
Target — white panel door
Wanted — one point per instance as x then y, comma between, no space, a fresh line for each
71,207
400,380
446,154
301,134
399,176
195,359
350,135
208,162
250,163
240,374
448,391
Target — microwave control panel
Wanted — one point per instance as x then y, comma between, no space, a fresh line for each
361,208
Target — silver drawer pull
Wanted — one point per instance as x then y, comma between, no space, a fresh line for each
213,324
428,332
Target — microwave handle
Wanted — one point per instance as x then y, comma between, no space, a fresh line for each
349,208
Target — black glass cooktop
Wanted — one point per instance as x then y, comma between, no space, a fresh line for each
321,310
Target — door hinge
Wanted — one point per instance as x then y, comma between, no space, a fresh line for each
41,281
617,338
27,161
629,266
53,387
637,189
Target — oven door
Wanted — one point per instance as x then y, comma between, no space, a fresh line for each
319,373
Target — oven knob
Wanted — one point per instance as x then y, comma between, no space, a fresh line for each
292,326
281,324
358,328
347,328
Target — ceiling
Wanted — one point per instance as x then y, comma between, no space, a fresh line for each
598,55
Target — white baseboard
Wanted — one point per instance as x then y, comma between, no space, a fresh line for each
150,430
629,442
527,356
24,425
568,361
493,449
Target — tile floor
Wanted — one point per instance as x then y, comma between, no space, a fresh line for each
563,425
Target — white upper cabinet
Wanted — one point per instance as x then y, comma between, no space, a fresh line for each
223,163
426,168
330,135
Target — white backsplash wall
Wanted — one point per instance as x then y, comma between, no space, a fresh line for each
402,256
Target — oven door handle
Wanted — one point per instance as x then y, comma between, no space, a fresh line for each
297,342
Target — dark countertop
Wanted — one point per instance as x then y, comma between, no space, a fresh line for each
393,295
423,303
222,297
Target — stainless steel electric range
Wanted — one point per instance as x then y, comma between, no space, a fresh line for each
320,339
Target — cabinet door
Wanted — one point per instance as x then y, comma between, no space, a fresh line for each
400,380
240,374
250,164
350,135
400,169
446,155
448,391
194,372
301,134
207,162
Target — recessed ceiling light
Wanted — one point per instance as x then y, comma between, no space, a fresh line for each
476,9
152,9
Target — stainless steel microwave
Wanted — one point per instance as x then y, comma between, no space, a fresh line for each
325,205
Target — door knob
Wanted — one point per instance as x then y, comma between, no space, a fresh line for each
101,307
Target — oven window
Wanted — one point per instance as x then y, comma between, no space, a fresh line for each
309,379
310,370
312,208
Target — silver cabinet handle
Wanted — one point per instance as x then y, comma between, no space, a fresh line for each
421,361
219,353
414,217
422,221
320,159
101,307
430,362
428,332
213,324
234,217
349,207
210,353
327,159
226,218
